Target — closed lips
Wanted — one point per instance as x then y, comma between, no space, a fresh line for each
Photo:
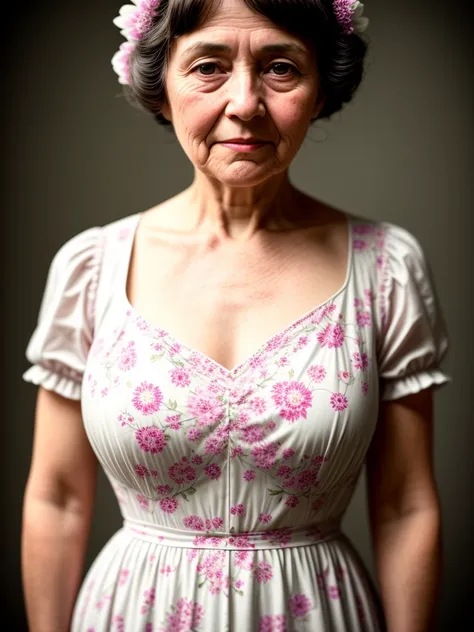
244,141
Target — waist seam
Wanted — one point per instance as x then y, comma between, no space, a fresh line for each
283,538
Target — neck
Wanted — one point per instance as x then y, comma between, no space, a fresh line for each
238,213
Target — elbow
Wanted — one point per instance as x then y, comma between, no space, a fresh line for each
403,504
53,493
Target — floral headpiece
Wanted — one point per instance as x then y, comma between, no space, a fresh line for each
135,20
349,15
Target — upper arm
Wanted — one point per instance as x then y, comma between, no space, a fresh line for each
400,474
412,343
63,467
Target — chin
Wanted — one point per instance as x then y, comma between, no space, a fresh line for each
241,174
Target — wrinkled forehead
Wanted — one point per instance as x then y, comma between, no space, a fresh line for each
235,13
227,24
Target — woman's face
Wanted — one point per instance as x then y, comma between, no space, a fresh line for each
241,77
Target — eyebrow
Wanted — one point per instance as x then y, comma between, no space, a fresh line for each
284,48
209,48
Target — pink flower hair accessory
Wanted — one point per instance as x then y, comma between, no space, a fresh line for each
135,20
349,15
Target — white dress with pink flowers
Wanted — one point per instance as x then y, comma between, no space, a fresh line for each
233,483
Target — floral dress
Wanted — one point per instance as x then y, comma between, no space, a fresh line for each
233,484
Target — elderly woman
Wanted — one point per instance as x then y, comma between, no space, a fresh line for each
233,357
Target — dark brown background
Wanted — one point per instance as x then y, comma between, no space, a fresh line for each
75,155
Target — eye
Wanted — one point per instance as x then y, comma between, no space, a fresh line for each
281,69
207,69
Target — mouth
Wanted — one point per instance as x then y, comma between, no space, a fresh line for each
245,141
244,144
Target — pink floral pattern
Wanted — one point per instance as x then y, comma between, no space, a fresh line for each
332,336
232,482
128,357
151,439
317,373
168,505
186,616
148,602
360,361
273,623
147,398
293,398
339,401
124,576
182,473
180,377
299,605
263,572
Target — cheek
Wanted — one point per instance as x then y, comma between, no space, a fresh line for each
292,114
196,114
194,117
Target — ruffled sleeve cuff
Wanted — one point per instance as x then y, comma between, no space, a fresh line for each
60,384
411,384
59,346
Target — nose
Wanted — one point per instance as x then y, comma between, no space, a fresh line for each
244,98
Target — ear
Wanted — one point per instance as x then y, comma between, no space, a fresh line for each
318,106
166,111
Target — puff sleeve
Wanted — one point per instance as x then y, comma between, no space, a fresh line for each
60,344
413,337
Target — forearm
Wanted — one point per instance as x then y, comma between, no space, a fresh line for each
408,560
53,545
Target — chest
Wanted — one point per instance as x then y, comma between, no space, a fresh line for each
172,373
228,303
155,402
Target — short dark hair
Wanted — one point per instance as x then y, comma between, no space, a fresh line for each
340,57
